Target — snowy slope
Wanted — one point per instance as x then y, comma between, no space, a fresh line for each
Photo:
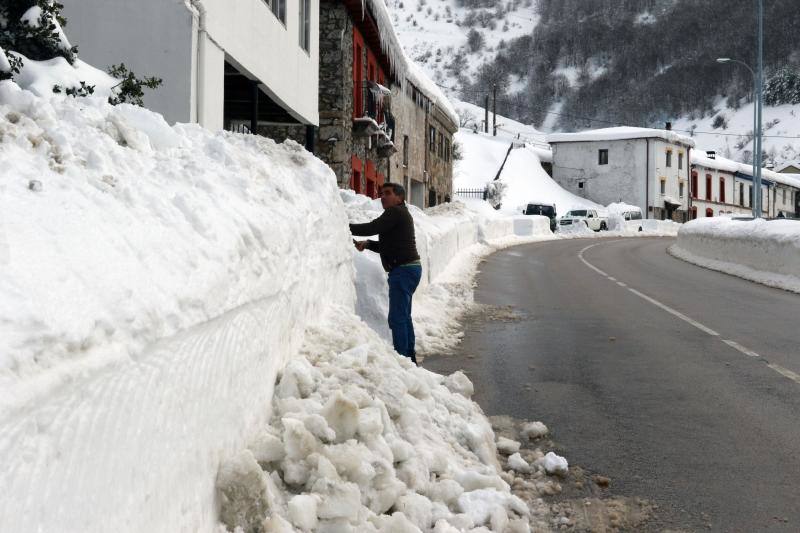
434,32
781,125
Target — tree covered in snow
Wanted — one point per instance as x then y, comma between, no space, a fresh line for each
33,28
783,87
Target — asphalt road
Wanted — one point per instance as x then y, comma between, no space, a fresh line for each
679,383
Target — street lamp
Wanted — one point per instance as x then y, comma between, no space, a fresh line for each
758,84
756,195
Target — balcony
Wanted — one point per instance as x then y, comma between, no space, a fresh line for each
372,116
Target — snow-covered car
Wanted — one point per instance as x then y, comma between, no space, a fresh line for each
632,220
545,210
589,217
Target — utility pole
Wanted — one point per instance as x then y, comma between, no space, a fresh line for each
494,110
486,114
759,98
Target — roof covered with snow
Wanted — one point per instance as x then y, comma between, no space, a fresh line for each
621,133
421,81
727,165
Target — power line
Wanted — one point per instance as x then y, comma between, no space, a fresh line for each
615,123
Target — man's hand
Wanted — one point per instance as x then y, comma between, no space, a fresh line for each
360,245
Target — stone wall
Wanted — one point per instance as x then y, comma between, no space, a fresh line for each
440,161
410,131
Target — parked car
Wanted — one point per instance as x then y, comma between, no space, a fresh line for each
632,220
589,217
545,210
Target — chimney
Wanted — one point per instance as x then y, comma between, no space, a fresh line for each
669,126
711,154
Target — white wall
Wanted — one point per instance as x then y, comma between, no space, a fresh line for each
152,38
165,39
672,175
622,179
255,40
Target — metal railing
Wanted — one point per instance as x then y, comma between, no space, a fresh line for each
471,193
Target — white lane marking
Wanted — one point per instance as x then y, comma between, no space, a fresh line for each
785,372
736,346
733,344
678,314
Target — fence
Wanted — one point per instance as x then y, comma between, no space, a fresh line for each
471,193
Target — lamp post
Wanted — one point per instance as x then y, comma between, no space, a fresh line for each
758,89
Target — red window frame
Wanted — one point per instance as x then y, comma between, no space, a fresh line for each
694,184
358,73
708,186
722,190
709,212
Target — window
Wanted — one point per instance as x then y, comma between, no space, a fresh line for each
750,195
694,184
708,186
602,157
431,138
278,8
580,184
441,145
722,190
680,189
663,186
305,24
669,158
784,195
709,212
741,194
680,160
405,150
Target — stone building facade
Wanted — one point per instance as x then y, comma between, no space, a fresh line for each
374,119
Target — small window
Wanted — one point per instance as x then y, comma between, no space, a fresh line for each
431,138
405,150
680,189
580,185
441,145
784,195
305,24
741,194
669,158
680,160
722,190
602,157
278,8
708,186
663,186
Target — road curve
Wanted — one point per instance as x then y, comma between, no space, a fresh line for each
680,383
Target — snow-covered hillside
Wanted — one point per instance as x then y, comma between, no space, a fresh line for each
729,132
436,33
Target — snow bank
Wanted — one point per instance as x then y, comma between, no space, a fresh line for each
763,251
155,280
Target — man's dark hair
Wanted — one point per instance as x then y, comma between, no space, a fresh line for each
397,189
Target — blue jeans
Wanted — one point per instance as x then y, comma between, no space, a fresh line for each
403,281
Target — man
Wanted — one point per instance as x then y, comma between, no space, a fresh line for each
398,250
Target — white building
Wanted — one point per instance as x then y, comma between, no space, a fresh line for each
648,168
225,63
721,186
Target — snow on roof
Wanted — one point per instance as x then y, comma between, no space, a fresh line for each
620,133
795,164
422,82
727,165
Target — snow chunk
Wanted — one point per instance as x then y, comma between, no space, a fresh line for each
507,446
267,448
459,382
516,462
481,505
534,430
342,416
303,511
555,464
243,495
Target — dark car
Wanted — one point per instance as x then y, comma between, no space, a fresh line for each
545,210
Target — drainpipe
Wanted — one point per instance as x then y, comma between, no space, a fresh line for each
647,180
198,6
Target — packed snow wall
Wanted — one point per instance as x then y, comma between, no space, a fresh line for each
155,280
759,250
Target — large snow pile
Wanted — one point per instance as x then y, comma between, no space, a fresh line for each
763,251
361,440
155,280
